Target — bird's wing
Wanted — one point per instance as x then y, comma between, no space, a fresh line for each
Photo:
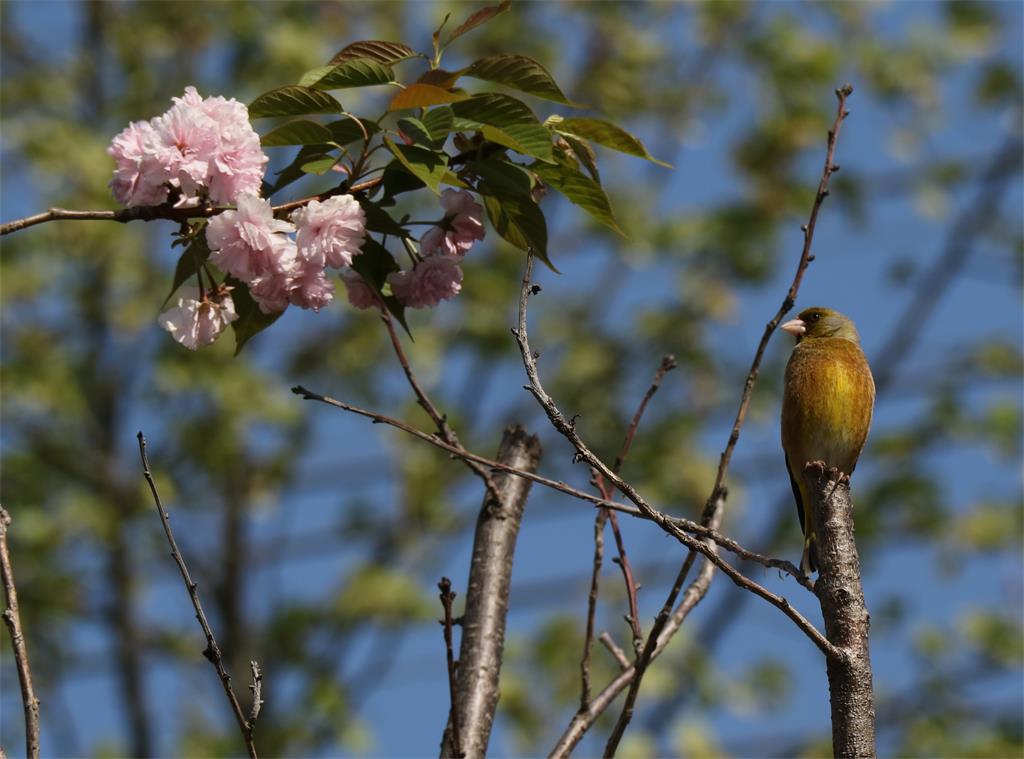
796,495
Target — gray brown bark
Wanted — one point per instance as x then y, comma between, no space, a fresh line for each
846,616
490,575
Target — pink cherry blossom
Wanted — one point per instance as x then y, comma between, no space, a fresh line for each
462,227
272,288
360,294
433,279
198,146
247,243
330,233
141,176
311,288
194,322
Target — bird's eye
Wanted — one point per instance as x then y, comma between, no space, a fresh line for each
814,317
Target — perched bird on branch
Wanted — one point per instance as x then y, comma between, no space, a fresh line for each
827,402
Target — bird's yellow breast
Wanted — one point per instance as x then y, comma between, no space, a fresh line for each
827,403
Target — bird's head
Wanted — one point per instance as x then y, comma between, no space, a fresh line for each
821,322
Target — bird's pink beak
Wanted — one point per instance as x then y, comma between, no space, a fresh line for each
795,327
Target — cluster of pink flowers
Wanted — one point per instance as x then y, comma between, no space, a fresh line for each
254,247
200,147
438,276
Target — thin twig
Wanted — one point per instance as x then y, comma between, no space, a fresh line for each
584,719
790,300
588,637
257,693
447,596
672,525
615,650
166,212
718,491
439,419
12,618
212,651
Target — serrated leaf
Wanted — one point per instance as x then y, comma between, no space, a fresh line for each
373,265
381,51
428,166
423,95
521,73
299,132
604,133
482,16
581,190
188,264
379,220
351,72
520,221
292,100
251,321
438,122
506,121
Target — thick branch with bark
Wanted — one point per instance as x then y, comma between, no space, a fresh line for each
846,615
490,576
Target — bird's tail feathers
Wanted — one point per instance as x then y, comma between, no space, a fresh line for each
809,560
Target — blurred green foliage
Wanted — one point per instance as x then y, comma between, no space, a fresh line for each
242,462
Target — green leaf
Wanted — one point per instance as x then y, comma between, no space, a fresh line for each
584,154
479,18
521,223
251,321
396,179
521,73
438,122
423,95
506,121
319,166
188,263
429,166
581,190
293,171
299,132
503,178
379,220
351,72
347,130
381,51
373,265
416,131
603,133
292,100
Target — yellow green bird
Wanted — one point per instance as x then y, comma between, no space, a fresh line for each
827,403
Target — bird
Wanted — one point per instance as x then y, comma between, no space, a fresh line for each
827,403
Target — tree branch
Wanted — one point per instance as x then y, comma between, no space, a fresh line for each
487,592
846,616
12,619
212,652
167,212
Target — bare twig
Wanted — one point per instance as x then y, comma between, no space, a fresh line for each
584,718
257,693
613,648
212,651
672,525
447,596
165,212
439,419
588,636
12,618
790,300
